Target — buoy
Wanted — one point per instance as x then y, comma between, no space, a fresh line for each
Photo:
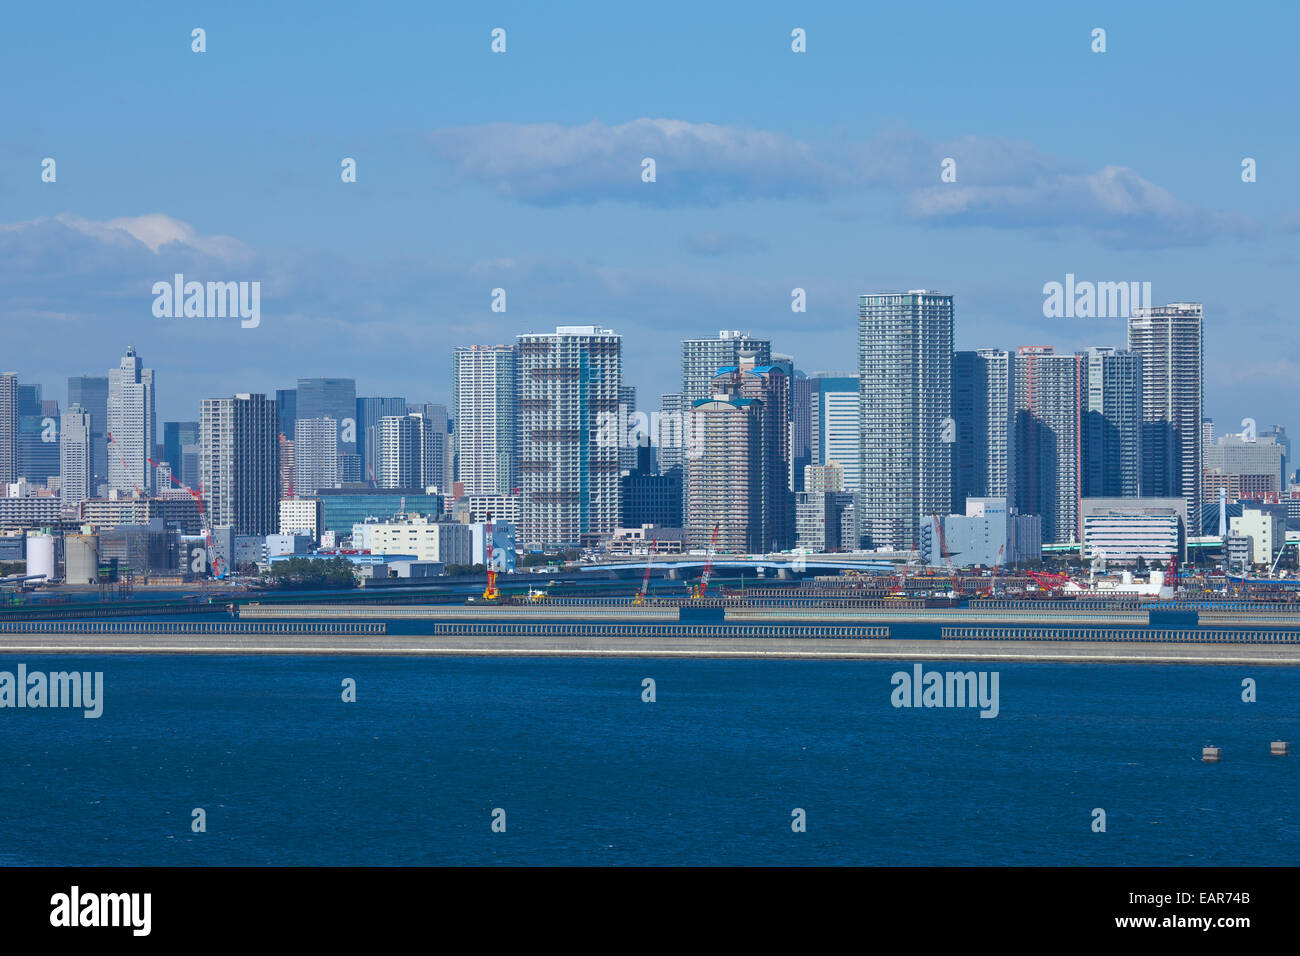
1279,748
1210,754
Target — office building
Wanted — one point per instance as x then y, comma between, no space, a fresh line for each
569,477
239,463
38,435
334,398
176,436
1246,458
1169,340
302,516
650,497
76,443
835,426
1266,528
91,393
1124,529
286,404
989,534
369,413
905,373
131,431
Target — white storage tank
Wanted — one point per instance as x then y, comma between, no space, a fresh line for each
40,555
81,558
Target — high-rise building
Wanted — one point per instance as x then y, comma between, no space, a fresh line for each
411,451
1111,423
38,435
981,412
176,435
1048,406
8,428
671,432
483,396
801,398
91,393
627,450
769,385
569,477
1243,455
286,401
369,412
701,359
76,443
239,463
905,372
1169,340
437,457
723,475
334,398
315,455
836,426
131,429
649,497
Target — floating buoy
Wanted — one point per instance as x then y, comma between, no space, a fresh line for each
1210,754
1279,748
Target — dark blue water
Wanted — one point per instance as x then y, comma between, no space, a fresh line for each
589,774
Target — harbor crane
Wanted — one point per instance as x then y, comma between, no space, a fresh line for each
702,588
490,593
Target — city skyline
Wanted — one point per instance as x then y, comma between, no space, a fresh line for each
776,170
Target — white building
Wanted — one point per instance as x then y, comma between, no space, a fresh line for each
131,425
483,404
76,453
506,508
444,541
503,545
1266,530
410,452
1125,529
315,455
301,515
568,475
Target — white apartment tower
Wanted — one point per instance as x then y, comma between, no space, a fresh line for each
905,377
131,426
315,455
483,406
1169,340
568,472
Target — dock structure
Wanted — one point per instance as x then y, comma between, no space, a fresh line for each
1179,635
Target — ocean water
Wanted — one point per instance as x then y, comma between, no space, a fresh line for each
589,774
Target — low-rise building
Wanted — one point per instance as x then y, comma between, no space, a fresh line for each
1265,527
989,534
1125,529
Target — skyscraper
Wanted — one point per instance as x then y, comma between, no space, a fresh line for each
1169,340
369,412
981,411
38,435
768,386
238,462
701,359
905,372
437,459
724,488
1048,405
91,393
130,429
411,451
334,398
568,473
836,426
286,401
75,456
671,433
315,455
483,400
8,427
1111,423
176,435
626,412
801,398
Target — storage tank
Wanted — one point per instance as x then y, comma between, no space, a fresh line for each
40,555
81,558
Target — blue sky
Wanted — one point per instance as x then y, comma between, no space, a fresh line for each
522,170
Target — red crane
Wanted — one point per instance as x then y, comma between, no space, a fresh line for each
490,593
703,588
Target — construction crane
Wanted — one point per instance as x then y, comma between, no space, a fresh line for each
645,580
944,554
1048,582
213,560
490,593
702,588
